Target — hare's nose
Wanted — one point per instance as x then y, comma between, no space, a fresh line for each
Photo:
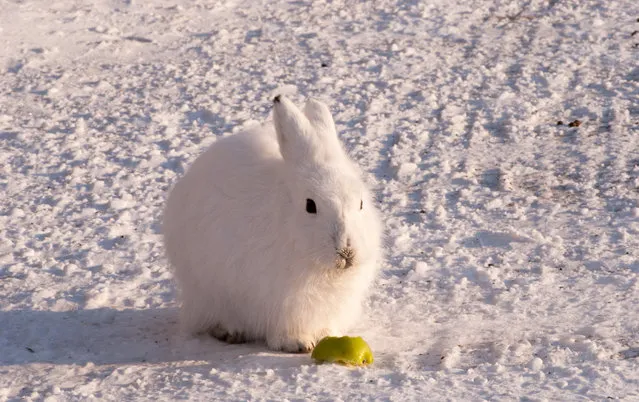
346,253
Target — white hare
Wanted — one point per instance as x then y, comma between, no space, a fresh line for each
272,233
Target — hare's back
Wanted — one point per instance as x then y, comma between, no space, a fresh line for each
232,169
247,148
233,182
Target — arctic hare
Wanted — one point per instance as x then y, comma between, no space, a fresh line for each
272,234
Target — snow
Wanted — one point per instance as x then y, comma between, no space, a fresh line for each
512,241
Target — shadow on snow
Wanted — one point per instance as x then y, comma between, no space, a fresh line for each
107,336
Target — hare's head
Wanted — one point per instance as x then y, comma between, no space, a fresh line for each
332,210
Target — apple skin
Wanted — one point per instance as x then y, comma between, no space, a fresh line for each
346,350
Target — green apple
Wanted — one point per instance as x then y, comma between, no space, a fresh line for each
345,350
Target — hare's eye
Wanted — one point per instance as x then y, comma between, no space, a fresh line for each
361,204
310,206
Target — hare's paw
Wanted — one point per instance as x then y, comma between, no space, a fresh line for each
291,344
222,334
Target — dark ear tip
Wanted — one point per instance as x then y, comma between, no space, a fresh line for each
277,99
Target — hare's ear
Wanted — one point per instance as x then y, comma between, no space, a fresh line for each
319,115
295,134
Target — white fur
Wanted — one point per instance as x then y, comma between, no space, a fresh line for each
247,256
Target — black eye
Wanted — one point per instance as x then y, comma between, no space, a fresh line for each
310,206
361,204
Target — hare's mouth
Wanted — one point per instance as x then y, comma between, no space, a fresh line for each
345,258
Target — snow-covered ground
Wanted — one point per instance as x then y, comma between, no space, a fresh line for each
512,267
